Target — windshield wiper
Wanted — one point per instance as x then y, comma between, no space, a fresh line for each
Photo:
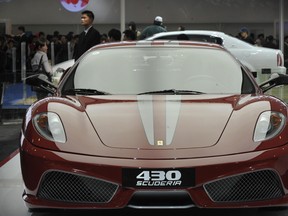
173,91
84,92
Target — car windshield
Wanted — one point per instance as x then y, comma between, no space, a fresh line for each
167,70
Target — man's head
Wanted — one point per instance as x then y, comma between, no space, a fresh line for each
132,26
114,35
244,32
158,20
87,18
21,30
129,34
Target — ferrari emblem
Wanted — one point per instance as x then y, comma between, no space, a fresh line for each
160,142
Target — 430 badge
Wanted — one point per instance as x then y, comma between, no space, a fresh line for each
182,177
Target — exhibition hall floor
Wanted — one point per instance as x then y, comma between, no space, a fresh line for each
11,203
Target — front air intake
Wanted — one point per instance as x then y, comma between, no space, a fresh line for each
71,187
252,186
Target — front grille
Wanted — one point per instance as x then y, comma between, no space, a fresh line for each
71,187
253,186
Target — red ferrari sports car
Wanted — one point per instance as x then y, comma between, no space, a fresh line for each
156,124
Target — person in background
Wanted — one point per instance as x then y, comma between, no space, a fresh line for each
132,26
260,40
181,28
104,38
114,35
62,54
244,35
156,27
19,39
73,43
270,42
129,35
40,64
89,37
9,54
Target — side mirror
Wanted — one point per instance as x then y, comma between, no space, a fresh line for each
41,80
276,79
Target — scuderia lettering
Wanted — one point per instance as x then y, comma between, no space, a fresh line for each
159,178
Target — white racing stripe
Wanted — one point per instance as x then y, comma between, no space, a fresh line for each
145,106
173,105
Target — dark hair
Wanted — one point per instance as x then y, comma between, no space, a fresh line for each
21,28
56,33
89,13
244,29
115,34
104,37
270,38
130,34
39,44
132,25
181,28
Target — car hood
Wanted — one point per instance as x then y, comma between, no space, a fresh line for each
171,121
187,126
168,121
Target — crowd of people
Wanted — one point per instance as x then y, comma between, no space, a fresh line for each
262,41
90,36
78,43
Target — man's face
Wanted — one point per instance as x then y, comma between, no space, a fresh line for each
85,20
244,34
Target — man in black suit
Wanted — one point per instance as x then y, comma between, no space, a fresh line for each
89,37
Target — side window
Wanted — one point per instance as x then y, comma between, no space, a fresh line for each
192,37
168,37
247,85
201,38
206,38
69,83
219,41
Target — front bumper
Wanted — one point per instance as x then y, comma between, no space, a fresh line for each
60,180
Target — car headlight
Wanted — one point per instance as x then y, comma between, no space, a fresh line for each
49,126
269,124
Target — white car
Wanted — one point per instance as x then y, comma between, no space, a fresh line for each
261,61
59,69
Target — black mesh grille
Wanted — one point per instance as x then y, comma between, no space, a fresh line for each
259,185
70,187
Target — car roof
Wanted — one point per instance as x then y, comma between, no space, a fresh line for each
204,32
164,43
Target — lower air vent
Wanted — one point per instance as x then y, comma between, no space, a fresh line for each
253,186
71,187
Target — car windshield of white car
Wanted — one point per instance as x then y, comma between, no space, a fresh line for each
136,70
